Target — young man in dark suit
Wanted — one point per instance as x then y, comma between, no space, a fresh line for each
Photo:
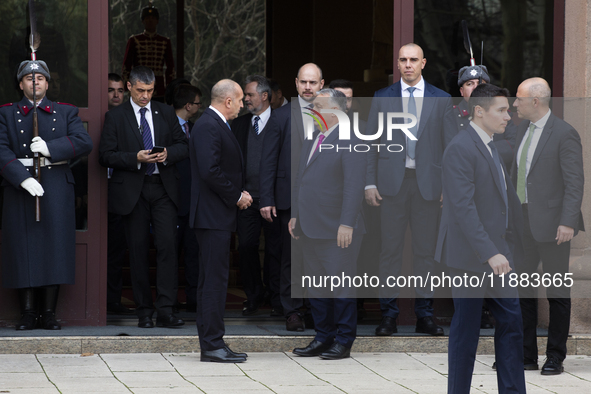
250,130
548,176
407,184
480,236
327,218
217,192
144,189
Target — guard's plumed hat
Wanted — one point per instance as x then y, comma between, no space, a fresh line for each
28,66
472,72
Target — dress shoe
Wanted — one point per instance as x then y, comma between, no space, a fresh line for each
387,327
309,321
552,366
250,308
427,325
277,311
236,354
222,355
314,348
145,322
294,323
169,321
116,308
27,322
336,352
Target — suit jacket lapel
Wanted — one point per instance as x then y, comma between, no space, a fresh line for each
426,109
296,115
131,118
332,139
226,130
484,151
158,123
544,137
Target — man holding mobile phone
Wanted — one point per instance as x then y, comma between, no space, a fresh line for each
141,141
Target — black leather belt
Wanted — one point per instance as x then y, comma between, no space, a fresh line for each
154,178
410,173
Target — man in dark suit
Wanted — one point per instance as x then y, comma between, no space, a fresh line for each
144,189
216,195
548,176
480,237
250,130
278,171
407,186
327,211
186,104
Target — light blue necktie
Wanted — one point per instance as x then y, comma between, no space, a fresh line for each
412,109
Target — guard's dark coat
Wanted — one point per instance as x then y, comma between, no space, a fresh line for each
39,253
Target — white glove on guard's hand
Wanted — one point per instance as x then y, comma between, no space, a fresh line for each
38,145
33,187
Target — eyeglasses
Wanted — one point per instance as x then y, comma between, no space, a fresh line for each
199,103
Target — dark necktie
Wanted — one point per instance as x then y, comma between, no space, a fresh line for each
412,109
186,127
256,124
147,137
495,155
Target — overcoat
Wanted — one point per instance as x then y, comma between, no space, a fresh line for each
39,253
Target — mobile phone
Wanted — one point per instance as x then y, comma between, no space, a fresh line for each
157,149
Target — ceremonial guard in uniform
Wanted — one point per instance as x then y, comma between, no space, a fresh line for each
38,256
151,50
468,78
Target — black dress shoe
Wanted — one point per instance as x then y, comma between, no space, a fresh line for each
169,321
236,354
427,325
250,308
48,321
294,323
552,366
145,322
387,327
116,308
314,348
222,355
485,322
336,352
27,322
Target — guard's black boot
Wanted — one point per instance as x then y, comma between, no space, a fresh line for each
48,298
29,310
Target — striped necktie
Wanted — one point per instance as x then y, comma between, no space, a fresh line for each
256,124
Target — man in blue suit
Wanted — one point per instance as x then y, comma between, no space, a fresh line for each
407,184
480,235
327,201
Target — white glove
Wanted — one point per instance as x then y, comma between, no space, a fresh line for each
38,145
32,186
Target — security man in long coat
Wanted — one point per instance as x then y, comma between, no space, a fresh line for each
38,256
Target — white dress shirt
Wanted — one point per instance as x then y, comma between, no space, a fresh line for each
418,94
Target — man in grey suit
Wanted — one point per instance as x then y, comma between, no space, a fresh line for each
548,176
407,184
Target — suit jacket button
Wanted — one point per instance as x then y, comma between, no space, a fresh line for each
20,120
503,236
22,131
503,212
